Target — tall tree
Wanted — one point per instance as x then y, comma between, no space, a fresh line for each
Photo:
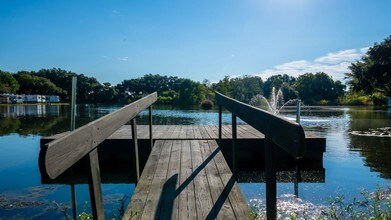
32,84
373,72
313,88
8,83
283,82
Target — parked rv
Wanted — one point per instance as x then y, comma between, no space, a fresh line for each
52,98
32,99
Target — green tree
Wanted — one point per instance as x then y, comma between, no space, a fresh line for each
313,88
191,93
372,74
223,86
8,84
244,88
283,82
32,84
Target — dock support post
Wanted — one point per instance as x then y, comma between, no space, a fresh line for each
73,195
150,126
73,126
94,184
298,111
134,136
220,123
271,184
234,137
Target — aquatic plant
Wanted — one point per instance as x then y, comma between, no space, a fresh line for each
375,205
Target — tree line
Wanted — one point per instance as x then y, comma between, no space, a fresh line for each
369,82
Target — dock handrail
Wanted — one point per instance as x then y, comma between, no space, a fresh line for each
64,152
278,132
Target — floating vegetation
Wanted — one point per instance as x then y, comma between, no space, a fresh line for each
375,205
378,132
33,203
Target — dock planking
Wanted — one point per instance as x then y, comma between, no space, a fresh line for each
190,132
187,179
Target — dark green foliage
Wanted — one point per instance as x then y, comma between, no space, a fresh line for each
313,88
241,88
171,90
30,83
372,74
8,84
283,82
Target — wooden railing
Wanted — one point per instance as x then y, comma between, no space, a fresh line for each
64,152
278,132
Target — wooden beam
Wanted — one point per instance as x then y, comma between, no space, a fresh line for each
67,150
286,134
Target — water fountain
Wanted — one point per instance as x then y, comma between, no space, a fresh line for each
276,102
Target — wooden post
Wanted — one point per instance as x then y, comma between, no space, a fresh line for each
73,126
297,180
73,195
73,103
298,111
220,123
150,126
234,137
94,184
134,136
271,185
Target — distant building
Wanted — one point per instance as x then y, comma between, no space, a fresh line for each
5,99
32,99
52,98
17,98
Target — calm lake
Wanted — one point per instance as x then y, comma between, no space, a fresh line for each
357,157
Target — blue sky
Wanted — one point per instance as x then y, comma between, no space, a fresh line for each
117,40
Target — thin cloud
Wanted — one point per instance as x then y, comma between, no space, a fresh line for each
340,56
335,64
125,59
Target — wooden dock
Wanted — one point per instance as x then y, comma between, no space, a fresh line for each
186,175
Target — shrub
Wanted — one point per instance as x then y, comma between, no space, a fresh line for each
207,104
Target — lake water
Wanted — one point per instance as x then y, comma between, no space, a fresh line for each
352,162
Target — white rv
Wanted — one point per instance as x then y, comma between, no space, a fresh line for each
52,98
17,99
32,98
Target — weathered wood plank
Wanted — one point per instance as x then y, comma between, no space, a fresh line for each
197,132
153,204
140,194
187,205
189,132
169,201
221,205
204,133
203,197
209,130
239,203
62,153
